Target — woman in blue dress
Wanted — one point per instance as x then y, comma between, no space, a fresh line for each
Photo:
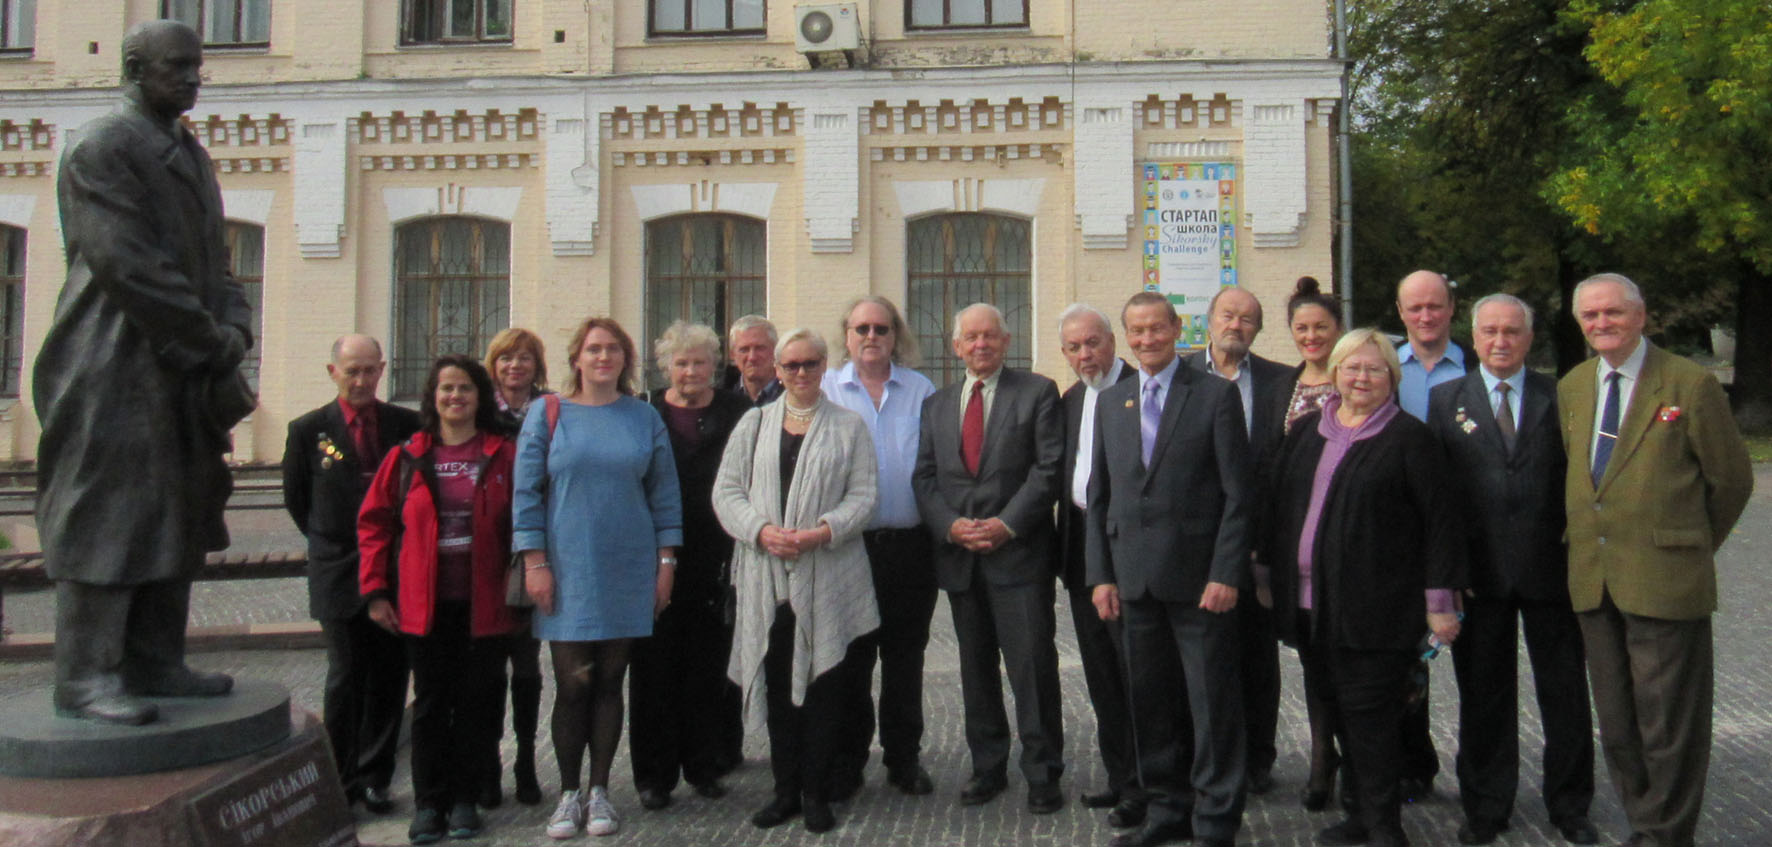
597,519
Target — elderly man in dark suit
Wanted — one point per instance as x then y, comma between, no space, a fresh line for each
1505,451
330,457
1168,544
137,387
1264,387
985,481
1087,340
1658,475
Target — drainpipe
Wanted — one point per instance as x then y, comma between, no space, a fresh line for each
1344,272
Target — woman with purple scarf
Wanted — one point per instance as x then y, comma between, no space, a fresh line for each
1364,561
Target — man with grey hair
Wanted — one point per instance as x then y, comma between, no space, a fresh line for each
1086,339
985,480
1499,427
1657,476
137,388
750,345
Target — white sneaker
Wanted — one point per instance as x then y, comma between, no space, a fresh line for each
602,815
569,816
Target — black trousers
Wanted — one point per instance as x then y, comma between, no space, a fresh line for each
1099,643
903,566
457,683
1486,663
1260,652
365,700
1363,690
1017,623
803,738
1182,670
677,694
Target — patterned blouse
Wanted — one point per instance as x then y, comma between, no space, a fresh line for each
1307,399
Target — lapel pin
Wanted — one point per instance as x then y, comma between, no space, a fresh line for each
1128,404
1669,414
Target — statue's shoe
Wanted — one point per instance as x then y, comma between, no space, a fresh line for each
112,708
182,682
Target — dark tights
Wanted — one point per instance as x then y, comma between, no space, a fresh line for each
587,706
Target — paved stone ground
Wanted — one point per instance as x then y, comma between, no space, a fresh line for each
1737,812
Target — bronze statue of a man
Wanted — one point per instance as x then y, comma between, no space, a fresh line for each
137,387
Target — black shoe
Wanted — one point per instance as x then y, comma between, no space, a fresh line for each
817,816
377,801
1129,812
427,827
1154,834
1260,782
777,812
464,821
1577,829
653,799
1044,798
492,795
1345,834
982,789
1415,790
1101,799
181,682
913,780
1481,831
713,789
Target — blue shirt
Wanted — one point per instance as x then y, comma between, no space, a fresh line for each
1516,389
1417,380
894,427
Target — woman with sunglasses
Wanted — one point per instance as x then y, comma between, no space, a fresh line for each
796,488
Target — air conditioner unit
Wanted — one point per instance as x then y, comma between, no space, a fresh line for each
826,27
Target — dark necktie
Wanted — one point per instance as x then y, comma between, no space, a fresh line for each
972,429
1608,428
363,432
1504,417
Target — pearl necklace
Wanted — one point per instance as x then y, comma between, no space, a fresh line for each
797,413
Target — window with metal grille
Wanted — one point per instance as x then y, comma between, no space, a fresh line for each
245,23
12,308
246,258
706,269
957,260
965,14
444,21
705,17
451,293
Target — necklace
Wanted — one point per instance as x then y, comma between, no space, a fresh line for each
797,413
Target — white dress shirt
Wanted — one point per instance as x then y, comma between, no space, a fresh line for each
1086,437
1627,384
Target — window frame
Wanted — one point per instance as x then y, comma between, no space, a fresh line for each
253,286
412,11
729,31
204,8
940,365
726,276
14,242
947,16
26,13
408,373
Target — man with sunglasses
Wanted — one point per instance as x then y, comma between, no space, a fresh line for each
877,382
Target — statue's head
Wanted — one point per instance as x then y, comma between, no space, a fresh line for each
162,63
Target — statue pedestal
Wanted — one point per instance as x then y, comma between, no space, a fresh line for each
284,794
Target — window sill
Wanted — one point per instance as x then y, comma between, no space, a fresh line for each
967,31
424,46
709,35
231,48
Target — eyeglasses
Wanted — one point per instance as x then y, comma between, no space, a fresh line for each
1367,371
870,329
806,366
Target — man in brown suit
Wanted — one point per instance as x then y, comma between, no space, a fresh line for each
1657,476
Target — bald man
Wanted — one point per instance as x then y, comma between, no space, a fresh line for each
331,455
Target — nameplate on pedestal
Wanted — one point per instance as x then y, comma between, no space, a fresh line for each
292,799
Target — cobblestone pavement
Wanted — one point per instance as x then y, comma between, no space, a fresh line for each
1736,813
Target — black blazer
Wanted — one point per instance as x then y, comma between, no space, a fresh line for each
1272,383
1072,528
706,547
1168,530
323,495
1017,480
1512,503
1388,532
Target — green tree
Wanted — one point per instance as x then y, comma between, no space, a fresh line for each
1687,141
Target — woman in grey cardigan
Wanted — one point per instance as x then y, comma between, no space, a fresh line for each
796,488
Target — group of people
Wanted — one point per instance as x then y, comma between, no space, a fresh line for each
754,542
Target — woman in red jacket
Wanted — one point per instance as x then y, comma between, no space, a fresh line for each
441,504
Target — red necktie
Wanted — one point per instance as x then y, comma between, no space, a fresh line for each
366,437
972,429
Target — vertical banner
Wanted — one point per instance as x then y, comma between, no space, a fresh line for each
1190,237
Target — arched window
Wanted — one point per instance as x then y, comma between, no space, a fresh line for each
246,258
706,269
451,293
956,260
12,308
